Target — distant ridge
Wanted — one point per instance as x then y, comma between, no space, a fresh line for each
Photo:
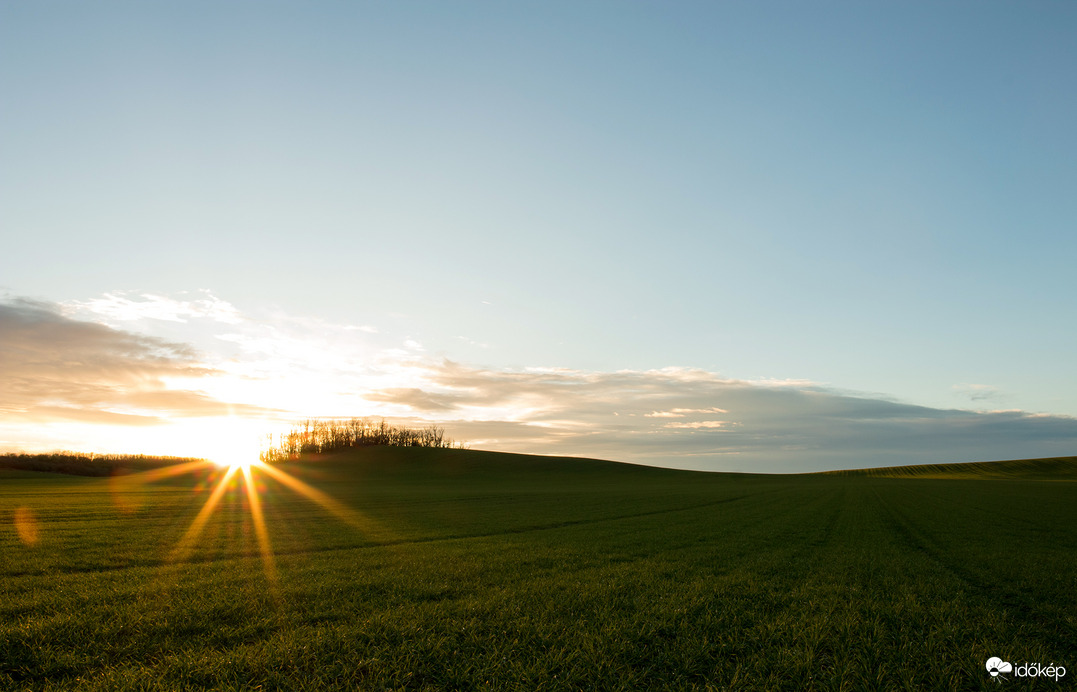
426,464
1053,468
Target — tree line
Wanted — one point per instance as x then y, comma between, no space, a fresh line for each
84,464
316,436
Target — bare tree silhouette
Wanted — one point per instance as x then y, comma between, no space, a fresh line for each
315,436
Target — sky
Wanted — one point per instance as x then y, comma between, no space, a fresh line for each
767,236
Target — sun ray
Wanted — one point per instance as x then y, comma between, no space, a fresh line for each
185,544
166,471
260,531
249,466
334,507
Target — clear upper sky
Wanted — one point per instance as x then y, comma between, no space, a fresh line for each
495,215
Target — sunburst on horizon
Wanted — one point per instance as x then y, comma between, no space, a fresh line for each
244,467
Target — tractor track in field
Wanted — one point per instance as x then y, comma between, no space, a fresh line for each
398,542
1024,607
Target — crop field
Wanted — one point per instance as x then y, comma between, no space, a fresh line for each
447,569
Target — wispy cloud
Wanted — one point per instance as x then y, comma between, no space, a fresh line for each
121,306
682,412
55,368
668,417
699,425
416,399
978,392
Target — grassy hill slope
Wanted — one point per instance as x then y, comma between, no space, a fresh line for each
1055,468
425,465
434,569
433,466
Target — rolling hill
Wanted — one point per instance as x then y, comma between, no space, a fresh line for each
436,569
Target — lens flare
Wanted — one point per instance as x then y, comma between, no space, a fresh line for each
245,469
26,526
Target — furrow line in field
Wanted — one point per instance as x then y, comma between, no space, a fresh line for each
504,532
402,541
1024,607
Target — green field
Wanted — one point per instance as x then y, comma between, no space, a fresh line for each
453,569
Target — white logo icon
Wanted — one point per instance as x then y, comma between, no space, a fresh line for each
996,665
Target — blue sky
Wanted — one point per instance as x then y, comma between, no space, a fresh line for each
857,202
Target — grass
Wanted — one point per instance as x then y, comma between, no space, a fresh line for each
1056,468
451,569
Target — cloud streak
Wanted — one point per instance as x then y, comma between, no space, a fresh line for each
119,307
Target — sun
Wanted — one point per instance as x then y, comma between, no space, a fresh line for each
229,445
242,464
233,455
238,461
238,456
